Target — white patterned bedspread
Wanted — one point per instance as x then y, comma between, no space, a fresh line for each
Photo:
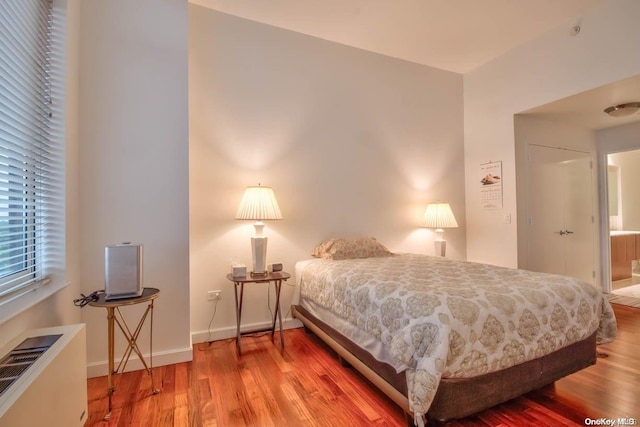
436,317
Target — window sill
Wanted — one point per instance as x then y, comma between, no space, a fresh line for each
30,299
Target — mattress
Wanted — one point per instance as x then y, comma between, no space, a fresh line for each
434,317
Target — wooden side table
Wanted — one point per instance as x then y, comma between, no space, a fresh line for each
114,317
239,282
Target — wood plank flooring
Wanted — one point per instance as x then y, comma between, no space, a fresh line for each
305,385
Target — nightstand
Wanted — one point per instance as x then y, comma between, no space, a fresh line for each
239,282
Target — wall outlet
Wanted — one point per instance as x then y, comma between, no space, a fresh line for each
214,295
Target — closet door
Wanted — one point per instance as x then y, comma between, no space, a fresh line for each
560,229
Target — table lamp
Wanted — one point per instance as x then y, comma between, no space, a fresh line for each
259,203
440,216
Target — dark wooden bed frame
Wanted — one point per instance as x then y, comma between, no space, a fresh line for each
457,397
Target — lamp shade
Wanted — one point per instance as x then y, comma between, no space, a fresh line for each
259,203
439,215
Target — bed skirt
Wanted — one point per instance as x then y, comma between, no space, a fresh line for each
458,397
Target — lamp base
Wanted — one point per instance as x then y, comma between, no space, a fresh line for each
259,255
441,247
254,274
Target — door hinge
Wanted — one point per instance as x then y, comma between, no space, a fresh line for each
590,164
593,274
593,219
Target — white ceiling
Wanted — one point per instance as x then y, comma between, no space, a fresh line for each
586,109
454,35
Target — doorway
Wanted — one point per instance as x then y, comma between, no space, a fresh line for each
623,179
588,129
560,221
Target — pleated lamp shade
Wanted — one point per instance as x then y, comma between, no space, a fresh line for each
259,203
439,216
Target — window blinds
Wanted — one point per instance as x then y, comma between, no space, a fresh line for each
30,163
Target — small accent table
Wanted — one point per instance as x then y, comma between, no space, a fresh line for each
239,282
114,316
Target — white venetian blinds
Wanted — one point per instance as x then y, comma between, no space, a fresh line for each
31,161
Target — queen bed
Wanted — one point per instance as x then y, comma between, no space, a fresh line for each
445,338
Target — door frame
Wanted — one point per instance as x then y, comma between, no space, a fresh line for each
612,140
593,197
605,224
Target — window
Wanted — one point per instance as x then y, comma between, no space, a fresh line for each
31,166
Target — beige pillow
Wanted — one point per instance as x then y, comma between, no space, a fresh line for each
350,247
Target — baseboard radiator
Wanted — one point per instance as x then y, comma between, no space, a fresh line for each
45,378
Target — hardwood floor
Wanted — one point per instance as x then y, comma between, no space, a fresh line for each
305,385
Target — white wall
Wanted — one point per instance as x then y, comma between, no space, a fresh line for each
548,68
134,162
528,130
353,143
58,309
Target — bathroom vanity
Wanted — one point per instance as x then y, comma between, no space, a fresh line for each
625,248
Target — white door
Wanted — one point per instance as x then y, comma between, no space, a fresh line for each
560,226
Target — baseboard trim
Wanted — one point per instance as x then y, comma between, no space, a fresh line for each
230,331
169,357
162,358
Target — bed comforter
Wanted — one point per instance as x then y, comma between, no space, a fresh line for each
435,317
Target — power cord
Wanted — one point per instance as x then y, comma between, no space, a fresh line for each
86,299
215,345
215,308
258,334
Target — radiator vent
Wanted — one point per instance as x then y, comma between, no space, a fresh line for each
21,357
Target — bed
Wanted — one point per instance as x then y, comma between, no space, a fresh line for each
445,338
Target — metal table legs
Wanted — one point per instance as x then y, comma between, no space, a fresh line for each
277,313
114,317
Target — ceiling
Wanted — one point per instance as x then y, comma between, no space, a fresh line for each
586,109
453,35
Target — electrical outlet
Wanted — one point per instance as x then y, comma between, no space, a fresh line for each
214,295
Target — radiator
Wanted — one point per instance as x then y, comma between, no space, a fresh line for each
53,390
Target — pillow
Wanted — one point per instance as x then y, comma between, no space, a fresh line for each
349,248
